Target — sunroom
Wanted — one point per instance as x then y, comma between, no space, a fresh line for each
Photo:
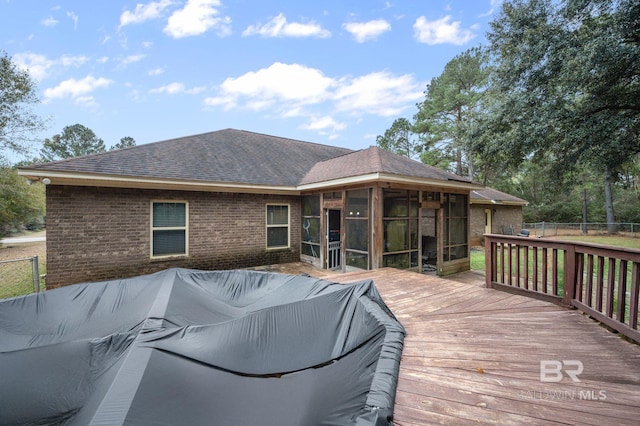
385,224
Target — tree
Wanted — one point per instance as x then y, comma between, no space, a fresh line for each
74,141
567,80
20,204
125,142
442,119
399,138
18,123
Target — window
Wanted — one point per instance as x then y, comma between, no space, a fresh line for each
277,226
168,228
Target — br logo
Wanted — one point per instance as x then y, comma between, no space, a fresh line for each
552,370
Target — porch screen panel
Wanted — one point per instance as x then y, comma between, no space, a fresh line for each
169,228
357,228
310,226
400,225
456,210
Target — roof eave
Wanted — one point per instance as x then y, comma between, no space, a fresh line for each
140,182
499,202
386,177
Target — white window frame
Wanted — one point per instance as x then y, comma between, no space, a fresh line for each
173,228
288,225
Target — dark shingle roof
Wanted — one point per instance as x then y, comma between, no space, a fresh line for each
222,156
375,160
239,157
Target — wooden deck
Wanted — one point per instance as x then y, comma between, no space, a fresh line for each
473,355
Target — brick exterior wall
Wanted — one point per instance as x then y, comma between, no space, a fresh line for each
96,234
503,217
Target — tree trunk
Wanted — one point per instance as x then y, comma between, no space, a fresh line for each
470,163
458,161
585,231
608,199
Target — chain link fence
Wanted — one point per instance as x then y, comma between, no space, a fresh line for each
19,277
552,229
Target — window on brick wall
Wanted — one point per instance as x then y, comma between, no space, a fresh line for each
277,226
169,228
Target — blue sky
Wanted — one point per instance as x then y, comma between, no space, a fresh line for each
333,72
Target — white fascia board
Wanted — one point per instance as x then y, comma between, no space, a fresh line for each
372,177
112,181
118,181
385,177
498,202
429,182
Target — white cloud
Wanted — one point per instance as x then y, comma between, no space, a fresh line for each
177,88
198,17
494,5
74,18
73,61
132,58
280,82
144,12
279,27
88,102
441,31
297,91
378,93
323,123
363,31
39,66
156,71
227,102
49,22
79,90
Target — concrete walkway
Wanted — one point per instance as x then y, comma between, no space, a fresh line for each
33,238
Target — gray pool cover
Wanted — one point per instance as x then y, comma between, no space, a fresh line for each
186,347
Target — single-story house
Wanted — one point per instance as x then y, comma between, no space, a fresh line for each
234,199
494,212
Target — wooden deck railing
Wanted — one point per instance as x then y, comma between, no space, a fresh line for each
602,281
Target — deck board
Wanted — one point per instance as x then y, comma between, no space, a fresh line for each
472,355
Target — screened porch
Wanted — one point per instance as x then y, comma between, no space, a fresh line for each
380,226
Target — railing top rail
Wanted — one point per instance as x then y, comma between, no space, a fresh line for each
528,241
579,246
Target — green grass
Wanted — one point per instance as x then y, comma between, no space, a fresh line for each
608,240
477,260
16,279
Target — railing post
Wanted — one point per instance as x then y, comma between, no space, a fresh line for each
569,274
489,261
36,274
